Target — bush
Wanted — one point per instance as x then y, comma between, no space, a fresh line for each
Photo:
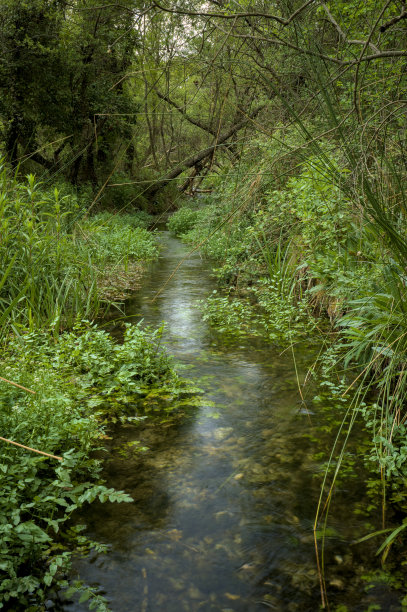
72,376
182,221
120,244
124,194
138,218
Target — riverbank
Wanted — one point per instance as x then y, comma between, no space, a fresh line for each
64,379
64,397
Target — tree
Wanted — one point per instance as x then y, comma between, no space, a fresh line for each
61,80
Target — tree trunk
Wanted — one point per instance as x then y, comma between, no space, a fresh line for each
193,160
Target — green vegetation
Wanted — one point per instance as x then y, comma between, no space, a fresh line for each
118,239
83,379
301,264
283,122
182,221
59,265
54,259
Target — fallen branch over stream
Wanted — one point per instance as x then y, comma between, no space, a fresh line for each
198,157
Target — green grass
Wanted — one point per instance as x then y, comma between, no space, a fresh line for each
53,257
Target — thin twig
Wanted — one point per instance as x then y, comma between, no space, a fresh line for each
34,450
10,382
281,20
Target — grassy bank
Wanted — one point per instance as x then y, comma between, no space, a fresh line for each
57,262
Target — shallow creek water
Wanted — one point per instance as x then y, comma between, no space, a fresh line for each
224,501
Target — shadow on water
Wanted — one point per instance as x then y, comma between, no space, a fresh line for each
224,501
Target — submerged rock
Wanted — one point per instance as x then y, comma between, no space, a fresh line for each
222,432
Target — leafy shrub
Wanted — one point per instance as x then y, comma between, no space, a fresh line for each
72,376
182,221
120,243
138,218
229,315
270,315
111,370
119,238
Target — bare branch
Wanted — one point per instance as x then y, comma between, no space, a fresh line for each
386,26
369,58
195,159
284,43
281,20
10,382
34,450
183,112
342,33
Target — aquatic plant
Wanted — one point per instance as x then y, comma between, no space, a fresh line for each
63,390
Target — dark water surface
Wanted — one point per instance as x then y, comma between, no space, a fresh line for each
224,502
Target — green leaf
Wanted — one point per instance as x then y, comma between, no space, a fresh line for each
85,596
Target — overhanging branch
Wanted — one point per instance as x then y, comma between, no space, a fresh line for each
195,159
183,112
280,20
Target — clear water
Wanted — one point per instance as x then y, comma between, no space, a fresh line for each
224,502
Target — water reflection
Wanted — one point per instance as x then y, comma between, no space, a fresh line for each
223,502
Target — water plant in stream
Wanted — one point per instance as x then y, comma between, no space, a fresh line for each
64,391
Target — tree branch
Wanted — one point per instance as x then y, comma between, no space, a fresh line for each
386,26
183,112
37,157
284,43
342,33
193,160
281,20
115,6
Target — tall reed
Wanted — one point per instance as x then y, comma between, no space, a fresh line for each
46,277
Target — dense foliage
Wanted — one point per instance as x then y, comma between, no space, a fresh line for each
298,262
53,257
81,381
57,265
285,120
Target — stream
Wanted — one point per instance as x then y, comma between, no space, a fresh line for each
224,500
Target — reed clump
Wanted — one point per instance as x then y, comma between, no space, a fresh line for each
54,259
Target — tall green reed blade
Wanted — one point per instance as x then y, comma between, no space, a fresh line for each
278,262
